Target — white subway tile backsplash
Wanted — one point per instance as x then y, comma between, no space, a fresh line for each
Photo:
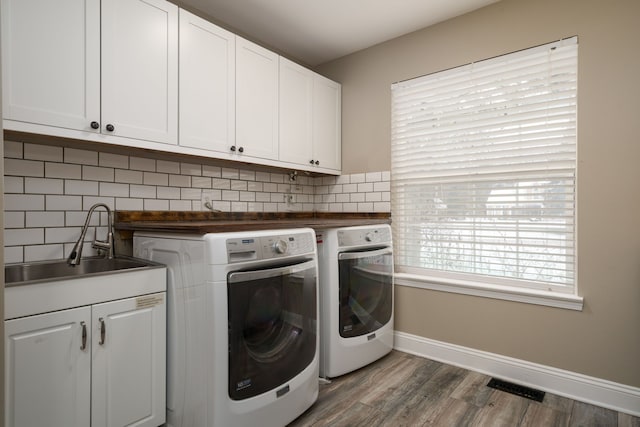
43,219
168,193
110,160
179,181
64,234
14,219
62,170
114,190
228,173
18,167
152,178
211,171
220,183
129,204
97,173
83,157
49,191
13,150
14,254
43,152
142,191
201,181
373,176
142,164
155,205
43,252
128,176
165,166
63,203
23,236
23,202
190,169
82,188
13,184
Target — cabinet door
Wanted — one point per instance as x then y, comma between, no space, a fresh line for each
296,91
256,100
140,69
128,353
207,84
47,369
327,131
51,62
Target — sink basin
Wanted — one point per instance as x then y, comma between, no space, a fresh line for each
19,274
47,286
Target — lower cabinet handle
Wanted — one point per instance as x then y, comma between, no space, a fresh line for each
84,336
103,331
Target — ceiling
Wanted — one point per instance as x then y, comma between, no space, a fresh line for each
317,31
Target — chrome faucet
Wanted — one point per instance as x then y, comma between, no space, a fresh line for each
102,245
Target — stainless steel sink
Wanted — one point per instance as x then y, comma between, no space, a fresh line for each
19,274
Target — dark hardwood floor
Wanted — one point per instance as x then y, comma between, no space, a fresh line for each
406,390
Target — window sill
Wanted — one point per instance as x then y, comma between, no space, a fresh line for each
508,293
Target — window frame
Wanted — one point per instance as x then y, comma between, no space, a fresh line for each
511,289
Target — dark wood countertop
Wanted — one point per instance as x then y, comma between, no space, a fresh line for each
216,222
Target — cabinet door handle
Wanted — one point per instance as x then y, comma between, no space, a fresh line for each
103,331
311,161
317,162
84,336
232,148
111,127
241,149
95,125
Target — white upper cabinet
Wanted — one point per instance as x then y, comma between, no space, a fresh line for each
107,67
256,100
296,108
207,85
327,128
140,69
310,118
51,62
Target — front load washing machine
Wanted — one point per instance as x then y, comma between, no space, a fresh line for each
356,297
242,325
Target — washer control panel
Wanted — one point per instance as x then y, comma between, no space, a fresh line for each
364,236
267,247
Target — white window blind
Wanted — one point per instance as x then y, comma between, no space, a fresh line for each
484,170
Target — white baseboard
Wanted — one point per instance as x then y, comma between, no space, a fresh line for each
576,386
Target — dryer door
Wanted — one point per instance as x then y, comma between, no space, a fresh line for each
366,290
272,326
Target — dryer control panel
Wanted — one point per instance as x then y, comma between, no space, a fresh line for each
364,236
268,247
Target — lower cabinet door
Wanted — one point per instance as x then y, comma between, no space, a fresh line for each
48,369
129,358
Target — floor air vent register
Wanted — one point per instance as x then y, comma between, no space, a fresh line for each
518,390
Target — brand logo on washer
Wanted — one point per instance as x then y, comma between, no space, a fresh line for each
243,384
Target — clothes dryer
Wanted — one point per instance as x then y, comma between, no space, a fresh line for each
242,325
356,297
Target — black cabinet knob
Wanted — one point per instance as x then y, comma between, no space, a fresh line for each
232,148
241,149
95,125
311,161
110,127
317,162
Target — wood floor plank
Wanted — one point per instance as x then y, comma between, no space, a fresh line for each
586,415
402,390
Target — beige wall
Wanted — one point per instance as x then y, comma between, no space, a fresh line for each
604,339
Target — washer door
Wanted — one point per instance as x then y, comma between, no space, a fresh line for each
366,291
272,326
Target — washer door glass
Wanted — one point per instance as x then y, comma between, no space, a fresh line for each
366,291
272,327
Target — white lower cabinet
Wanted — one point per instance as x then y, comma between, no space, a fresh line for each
98,365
